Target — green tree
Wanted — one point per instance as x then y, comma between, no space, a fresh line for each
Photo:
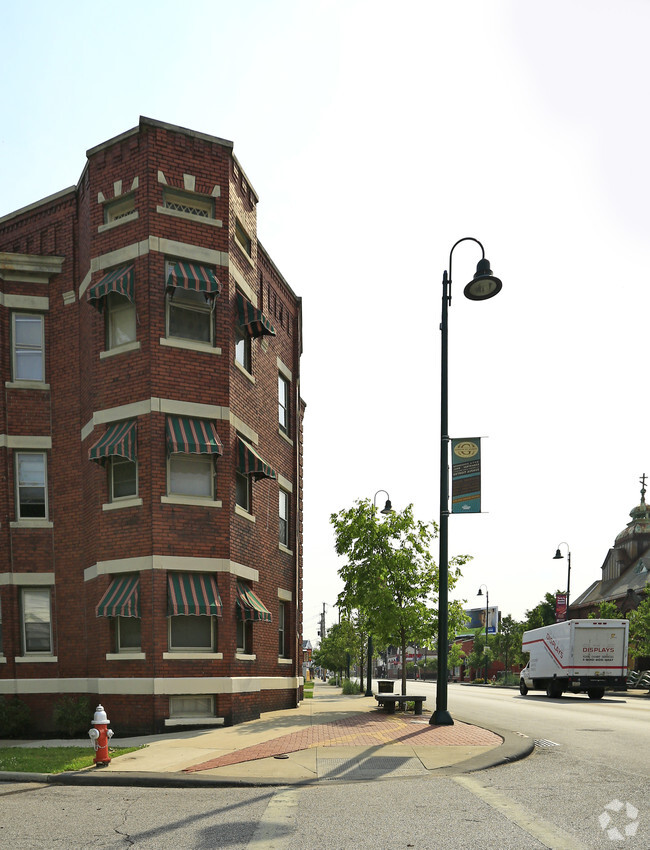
607,611
340,643
476,658
507,643
640,629
390,575
543,614
456,656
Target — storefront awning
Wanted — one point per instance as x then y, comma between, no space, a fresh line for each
122,599
249,607
193,594
120,280
192,436
119,440
250,463
193,276
253,319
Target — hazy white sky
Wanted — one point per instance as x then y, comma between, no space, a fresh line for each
376,137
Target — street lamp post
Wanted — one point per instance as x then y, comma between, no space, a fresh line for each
482,286
558,555
487,617
387,509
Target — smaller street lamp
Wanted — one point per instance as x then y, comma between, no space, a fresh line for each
557,556
487,614
387,509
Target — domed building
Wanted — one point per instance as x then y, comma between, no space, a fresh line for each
625,572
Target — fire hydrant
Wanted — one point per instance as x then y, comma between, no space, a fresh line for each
100,735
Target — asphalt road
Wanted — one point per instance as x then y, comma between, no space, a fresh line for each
557,798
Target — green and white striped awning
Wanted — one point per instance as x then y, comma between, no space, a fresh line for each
122,599
250,463
193,594
253,319
120,280
119,440
186,435
193,276
249,606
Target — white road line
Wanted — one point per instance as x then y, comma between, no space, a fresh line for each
277,824
548,834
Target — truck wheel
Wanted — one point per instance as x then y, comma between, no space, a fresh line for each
596,693
553,692
523,690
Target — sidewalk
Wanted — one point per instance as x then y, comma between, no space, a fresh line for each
329,737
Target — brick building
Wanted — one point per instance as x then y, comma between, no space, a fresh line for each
150,443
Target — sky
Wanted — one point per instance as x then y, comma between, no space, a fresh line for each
377,137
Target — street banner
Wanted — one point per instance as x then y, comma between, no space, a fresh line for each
560,607
466,476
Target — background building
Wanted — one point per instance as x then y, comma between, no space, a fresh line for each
150,443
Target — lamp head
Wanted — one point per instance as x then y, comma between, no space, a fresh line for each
388,508
557,555
484,284
480,591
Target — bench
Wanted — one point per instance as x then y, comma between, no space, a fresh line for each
389,701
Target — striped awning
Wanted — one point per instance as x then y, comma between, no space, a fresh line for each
193,276
194,594
120,280
119,440
192,436
249,606
253,319
250,463
122,599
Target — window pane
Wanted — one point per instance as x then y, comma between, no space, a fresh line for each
242,349
36,620
190,316
29,366
283,402
190,476
284,517
191,706
29,331
124,478
190,632
243,491
128,631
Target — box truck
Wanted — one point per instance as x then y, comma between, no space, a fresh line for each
576,656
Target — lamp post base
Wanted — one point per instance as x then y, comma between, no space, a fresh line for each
441,718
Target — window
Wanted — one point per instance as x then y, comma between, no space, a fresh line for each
28,347
243,238
120,320
1,649
244,637
282,634
127,634
189,315
284,517
191,706
243,495
122,478
36,621
192,633
191,475
243,348
31,485
183,202
115,210
283,403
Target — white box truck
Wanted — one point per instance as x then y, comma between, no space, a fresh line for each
576,656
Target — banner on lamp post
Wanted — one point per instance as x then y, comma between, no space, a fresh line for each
560,607
466,476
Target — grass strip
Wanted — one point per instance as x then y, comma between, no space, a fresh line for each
51,759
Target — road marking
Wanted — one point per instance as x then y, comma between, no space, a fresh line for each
549,835
276,826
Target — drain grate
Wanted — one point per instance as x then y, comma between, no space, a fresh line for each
542,742
370,768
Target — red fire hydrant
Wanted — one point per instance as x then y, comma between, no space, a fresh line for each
100,735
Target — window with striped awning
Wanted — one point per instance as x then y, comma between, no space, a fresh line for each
193,594
122,599
186,435
252,319
121,281
119,441
192,276
250,463
249,606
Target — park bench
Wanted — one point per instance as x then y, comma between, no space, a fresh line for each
389,701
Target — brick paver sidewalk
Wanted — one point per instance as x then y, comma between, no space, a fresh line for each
359,731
